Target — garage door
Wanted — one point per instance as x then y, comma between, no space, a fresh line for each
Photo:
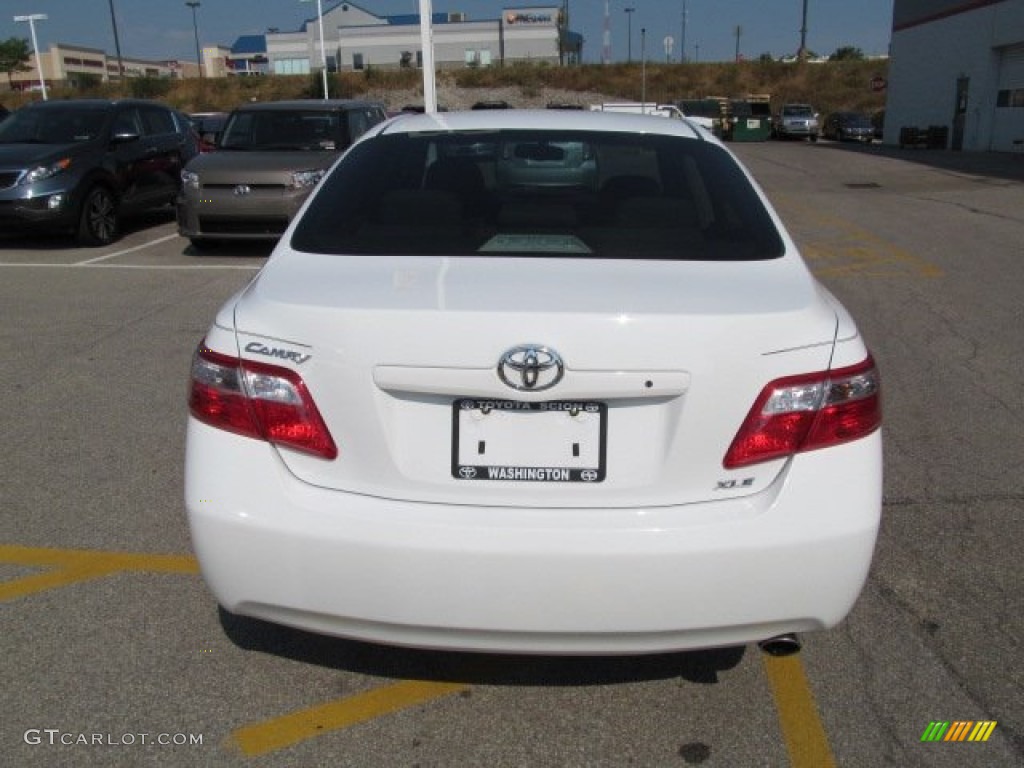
1008,123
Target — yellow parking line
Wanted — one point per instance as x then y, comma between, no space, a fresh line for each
68,566
280,732
852,250
806,742
802,730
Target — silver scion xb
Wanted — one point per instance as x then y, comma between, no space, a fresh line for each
266,162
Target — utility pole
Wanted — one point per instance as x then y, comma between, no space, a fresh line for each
682,37
629,32
739,31
643,69
802,53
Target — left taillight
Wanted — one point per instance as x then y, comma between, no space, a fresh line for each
808,412
257,400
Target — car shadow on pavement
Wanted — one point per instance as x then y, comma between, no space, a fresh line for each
231,249
62,241
998,165
702,667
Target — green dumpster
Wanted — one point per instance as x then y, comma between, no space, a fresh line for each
749,121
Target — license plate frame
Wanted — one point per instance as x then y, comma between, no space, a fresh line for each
572,436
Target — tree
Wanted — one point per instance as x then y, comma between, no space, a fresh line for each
14,56
847,53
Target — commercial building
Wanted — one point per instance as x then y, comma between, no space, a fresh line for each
356,38
957,72
75,66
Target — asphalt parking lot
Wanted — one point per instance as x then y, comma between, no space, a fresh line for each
113,653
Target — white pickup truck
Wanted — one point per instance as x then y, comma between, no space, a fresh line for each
652,108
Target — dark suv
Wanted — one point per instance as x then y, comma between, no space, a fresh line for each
81,165
268,159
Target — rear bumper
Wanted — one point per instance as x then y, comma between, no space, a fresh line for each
528,580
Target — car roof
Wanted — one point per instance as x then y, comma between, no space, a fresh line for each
542,119
92,103
322,105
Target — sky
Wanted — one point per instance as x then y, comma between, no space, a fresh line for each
162,29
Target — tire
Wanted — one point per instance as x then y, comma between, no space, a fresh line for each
202,244
98,222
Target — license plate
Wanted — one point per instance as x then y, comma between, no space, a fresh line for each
551,442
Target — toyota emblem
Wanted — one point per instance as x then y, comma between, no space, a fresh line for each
530,367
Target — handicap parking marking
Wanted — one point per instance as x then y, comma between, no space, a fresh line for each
804,735
805,739
271,735
68,566
840,248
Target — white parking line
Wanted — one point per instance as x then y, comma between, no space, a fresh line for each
165,267
126,251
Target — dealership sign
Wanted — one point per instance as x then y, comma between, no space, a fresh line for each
528,17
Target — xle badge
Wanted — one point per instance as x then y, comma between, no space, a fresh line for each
729,485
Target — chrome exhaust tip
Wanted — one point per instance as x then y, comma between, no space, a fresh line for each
781,645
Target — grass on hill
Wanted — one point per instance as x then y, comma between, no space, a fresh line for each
828,86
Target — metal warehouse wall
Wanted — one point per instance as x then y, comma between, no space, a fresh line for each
973,48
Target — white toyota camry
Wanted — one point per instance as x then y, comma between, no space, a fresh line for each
543,382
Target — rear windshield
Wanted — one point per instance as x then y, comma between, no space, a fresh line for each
539,193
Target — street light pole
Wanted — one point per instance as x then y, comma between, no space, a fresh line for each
629,32
117,42
323,49
32,19
427,43
193,4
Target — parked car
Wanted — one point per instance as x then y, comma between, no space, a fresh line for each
268,159
848,126
536,381
878,123
796,121
83,165
208,126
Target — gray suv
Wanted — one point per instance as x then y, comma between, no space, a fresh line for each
796,121
267,160
80,166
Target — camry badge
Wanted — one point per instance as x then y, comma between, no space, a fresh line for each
531,367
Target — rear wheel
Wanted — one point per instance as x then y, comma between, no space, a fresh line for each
98,223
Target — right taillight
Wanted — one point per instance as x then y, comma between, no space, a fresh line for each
265,402
807,412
